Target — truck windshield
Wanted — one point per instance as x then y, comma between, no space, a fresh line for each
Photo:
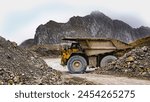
75,45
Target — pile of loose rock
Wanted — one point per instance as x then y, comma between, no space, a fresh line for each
135,63
19,66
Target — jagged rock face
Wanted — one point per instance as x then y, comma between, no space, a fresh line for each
94,25
141,32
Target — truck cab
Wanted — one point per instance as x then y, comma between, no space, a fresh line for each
74,58
68,51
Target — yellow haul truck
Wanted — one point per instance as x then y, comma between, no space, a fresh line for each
95,52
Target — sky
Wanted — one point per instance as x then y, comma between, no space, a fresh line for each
20,18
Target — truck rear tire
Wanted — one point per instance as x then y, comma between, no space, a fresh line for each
106,60
77,64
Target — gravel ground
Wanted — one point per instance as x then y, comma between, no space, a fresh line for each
98,79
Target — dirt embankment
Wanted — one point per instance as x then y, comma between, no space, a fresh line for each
141,42
20,66
49,51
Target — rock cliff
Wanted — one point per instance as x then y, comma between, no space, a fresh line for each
94,25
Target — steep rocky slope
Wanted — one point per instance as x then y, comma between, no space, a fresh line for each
94,25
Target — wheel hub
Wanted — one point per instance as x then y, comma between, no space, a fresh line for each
76,64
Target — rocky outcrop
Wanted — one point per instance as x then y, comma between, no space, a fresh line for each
94,25
27,43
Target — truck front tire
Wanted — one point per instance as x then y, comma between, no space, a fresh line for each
106,60
77,64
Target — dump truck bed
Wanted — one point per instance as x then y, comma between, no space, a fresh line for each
95,46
